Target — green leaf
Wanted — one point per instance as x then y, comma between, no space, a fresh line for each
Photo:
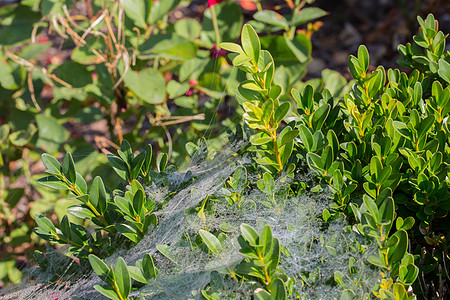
129,231
138,201
22,137
424,126
241,59
275,256
161,162
249,234
161,9
124,205
271,17
137,11
137,274
44,224
232,47
18,23
278,291
406,224
148,159
260,139
107,292
319,117
118,165
211,241
164,250
99,267
300,46
97,194
137,164
444,70
68,168
372,207
287,135
285,154
363,58
306,137
52,164
51,134
168,46
4,132
188,28
315,162
265,239
81,183
306,15
148,267
122,277
81,212
396,253
148,85
229,20
53,182
262,295
282,111
250,42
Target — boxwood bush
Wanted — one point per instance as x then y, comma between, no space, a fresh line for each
356,185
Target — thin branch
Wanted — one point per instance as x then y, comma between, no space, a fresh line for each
31,88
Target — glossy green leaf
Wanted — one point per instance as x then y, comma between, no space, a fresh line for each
250,42
53,182
81,212
363,57
278,291
259,139
68,168
136,165
249,234
444,70
319,117
98,195
282,111
99,267
138,202
52,164
164,250
128,231
148,267
161,162
137,274
107,291
122,277
44,224
119,166
287,135
396,253
211,241
232,47
300,46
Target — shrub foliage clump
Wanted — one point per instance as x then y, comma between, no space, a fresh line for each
324,194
